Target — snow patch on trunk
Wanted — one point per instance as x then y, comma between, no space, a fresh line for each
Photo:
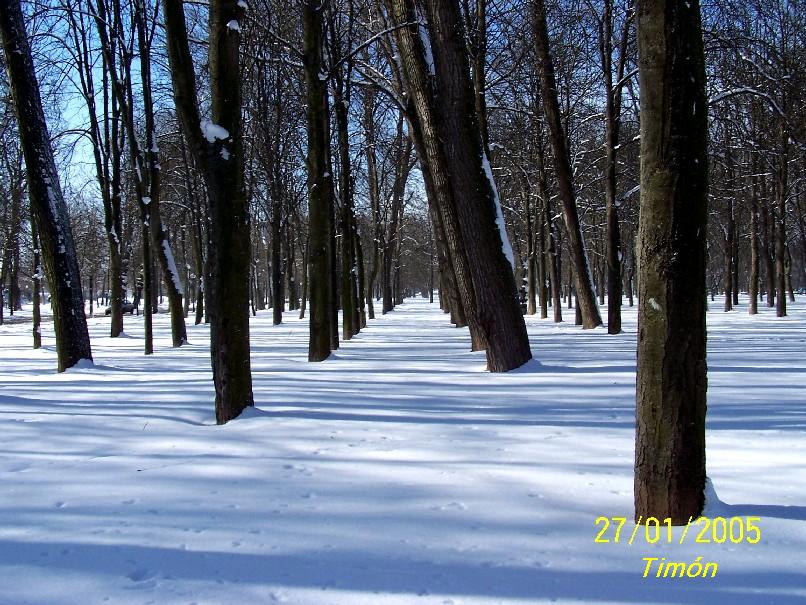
499,213
426,41
213,132
166,247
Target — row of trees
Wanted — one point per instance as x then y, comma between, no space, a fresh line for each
298,146
752,56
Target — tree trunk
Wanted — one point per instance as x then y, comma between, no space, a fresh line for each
159,238
468,176
403,146
349,328
754,252
671,367
277,294
549,236
540,260
319,203
44,190
217,147
559,144
780,227
612,128
361,285
531,263
374,196
37,284
767,236
728,256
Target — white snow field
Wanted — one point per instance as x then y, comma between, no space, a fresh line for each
398,472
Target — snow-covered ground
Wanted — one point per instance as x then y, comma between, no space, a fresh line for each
397,472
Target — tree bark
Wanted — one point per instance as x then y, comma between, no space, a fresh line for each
549,235
468,176
612,127
671,368
277,293
44,190
767,245
319,202
37,284
754,252
780,225
374,196
217,148
562,165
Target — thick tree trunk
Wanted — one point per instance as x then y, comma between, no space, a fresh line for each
477,47
423,128
671,368
44,190
467,176
319,202
217,147
562,165
448,290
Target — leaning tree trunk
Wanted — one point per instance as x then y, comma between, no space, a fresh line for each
422,120
217,147
562,163
671,369
468,188
160,244
45,193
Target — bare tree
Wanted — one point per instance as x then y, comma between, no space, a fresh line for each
45,193
562,165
